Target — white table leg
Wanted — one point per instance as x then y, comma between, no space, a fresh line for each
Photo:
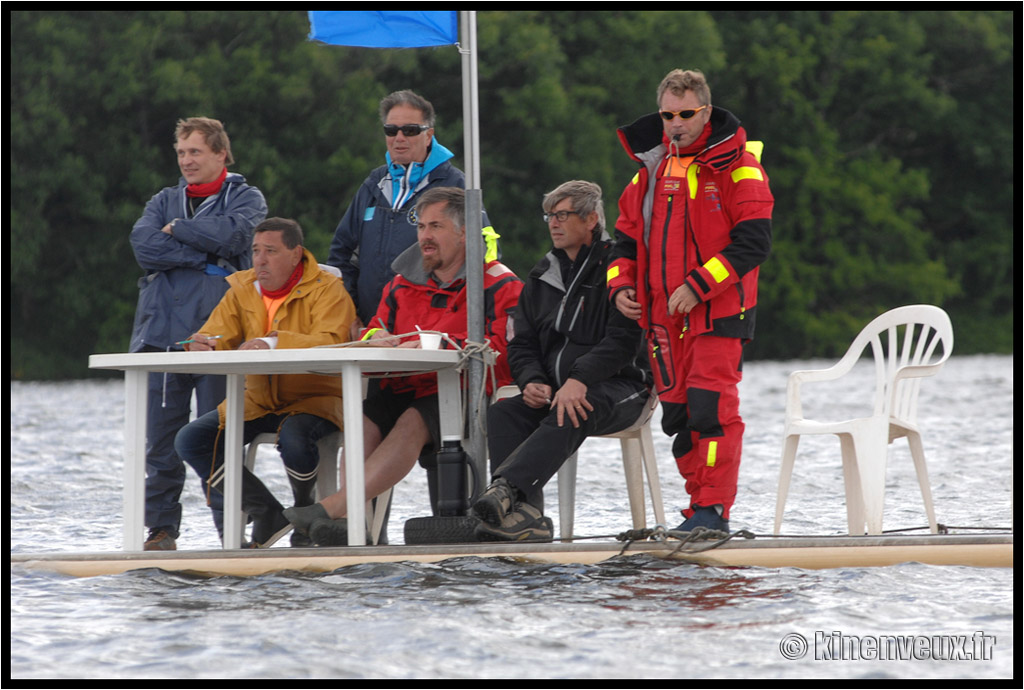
449,402
232,486
355,488
136,393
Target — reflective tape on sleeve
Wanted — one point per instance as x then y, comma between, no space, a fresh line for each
717,269
747,172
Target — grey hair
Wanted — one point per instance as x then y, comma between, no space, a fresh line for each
586,199
409,98
453,197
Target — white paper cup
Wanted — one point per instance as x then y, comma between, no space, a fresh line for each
430,341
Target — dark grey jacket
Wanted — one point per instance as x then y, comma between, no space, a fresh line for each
184,277
569,329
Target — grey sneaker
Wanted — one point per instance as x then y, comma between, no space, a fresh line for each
496,502
329,532
159,540
525,523
302,518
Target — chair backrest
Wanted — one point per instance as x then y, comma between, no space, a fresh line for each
904,343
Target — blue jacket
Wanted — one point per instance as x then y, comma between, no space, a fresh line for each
185,271
372,234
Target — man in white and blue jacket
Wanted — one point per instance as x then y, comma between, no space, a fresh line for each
380,224
189,238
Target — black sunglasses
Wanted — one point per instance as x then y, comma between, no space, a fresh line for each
407,130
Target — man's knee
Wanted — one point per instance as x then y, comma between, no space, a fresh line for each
410,429
702,406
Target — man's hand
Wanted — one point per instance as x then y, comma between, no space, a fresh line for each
537,395
200,342
382,338
625,302
354,329
682,300
254,344
571,400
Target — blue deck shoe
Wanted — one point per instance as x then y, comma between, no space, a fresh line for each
704,516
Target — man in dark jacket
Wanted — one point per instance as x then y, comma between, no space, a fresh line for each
380,223
577,361
188,240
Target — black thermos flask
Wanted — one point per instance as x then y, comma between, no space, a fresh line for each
452,499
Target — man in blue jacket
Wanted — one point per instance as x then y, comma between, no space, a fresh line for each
380,224
189,238
579,364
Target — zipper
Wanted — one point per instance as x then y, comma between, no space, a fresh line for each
664,252
576,312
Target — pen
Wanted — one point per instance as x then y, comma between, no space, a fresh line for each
192,340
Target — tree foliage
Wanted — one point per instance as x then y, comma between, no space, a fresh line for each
887,140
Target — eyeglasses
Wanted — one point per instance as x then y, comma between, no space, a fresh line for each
668,115
407,130
562,216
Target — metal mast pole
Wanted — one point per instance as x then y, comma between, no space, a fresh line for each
476,408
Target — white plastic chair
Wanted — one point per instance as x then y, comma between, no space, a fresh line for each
907,353
637,456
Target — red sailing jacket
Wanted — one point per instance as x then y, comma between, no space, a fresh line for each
710,230
418,301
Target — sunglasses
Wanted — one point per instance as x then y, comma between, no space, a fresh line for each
668,115
407,130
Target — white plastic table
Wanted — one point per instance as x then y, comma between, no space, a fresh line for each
348,362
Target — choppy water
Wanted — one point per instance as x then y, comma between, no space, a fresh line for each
635,617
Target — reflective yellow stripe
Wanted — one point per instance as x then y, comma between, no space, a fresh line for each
717,269
613,273
636,178
755,148
712,453
691,178
747,173
491,241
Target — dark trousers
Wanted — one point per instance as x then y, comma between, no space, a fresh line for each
201,445
527,446
168,410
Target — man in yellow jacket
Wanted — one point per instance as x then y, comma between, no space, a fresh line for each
285,301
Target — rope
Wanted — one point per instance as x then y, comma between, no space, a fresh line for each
699,534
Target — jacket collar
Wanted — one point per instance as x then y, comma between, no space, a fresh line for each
409,265
437,155
644,139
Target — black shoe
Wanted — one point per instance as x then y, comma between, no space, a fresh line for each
524,523
268,528
704,516
496,502
329,532
159,539
303,518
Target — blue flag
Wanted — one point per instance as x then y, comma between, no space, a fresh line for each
384,29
